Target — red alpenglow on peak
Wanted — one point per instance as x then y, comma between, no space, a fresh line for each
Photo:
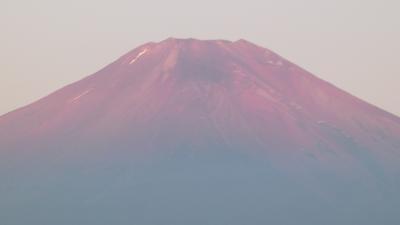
233,108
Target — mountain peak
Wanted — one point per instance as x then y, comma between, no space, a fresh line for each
188,41
174,39
213,78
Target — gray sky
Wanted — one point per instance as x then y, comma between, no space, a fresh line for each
46,44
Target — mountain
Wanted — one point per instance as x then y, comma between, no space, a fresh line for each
190,132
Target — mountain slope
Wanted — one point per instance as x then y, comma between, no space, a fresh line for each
182,131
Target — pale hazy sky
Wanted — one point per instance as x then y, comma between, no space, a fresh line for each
46,44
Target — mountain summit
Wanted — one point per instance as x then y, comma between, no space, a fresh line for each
200,132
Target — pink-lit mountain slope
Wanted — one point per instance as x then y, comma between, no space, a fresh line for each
228,125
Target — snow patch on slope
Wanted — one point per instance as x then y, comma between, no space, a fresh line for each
278,63
138,56
80,95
